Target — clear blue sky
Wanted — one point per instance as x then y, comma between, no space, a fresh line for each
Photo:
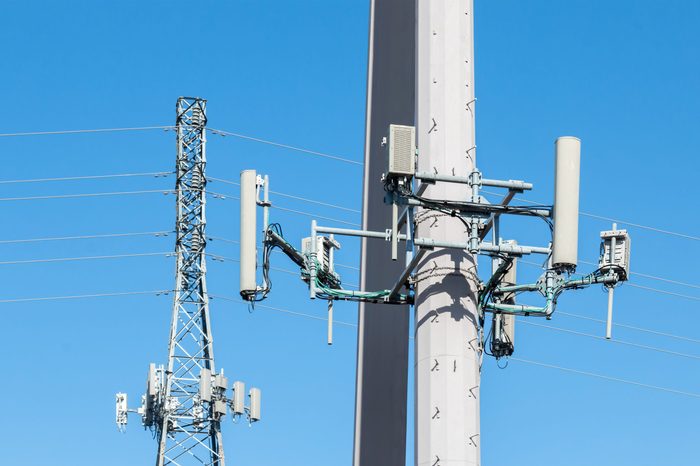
621,75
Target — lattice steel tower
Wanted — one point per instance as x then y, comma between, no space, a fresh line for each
189,427
186,402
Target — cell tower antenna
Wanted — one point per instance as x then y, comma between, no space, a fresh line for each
185,402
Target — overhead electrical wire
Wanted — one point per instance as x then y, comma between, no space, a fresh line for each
630,327
610,219
84,195
339,322
85,131
285,209
221,132
298,198
606,377
88,177
320,154
650,277
83,258
613,340
85,296
591,374
97,236
225,196
648,288
220,258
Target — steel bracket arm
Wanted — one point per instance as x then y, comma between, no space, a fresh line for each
406,272
292,253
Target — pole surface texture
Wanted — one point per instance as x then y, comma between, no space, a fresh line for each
447,349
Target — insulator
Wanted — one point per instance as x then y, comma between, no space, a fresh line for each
197,181
198,118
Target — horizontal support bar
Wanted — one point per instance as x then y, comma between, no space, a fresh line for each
517,309
513,249
350,232
431,243
515,185
482,210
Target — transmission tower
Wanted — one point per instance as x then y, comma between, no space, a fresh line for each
185,428
186,402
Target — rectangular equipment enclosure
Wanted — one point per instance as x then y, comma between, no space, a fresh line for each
220,407
221,381
122,416
205,385
151,381
402,151
567,168
248,247
255,404
323,252
621,254
238,397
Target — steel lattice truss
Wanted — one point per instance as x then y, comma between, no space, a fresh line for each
188,429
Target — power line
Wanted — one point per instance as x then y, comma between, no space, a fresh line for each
220,258
299,212
83,131
670,293
82,258
85,296
591,374
285,209
621,342
606,377
88,177
285,146
610,219
651,277
233,241
631,327
298,198
329,156
645,227
278,309
99,236
76,196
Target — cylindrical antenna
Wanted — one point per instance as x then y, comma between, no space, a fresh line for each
248,245
567,168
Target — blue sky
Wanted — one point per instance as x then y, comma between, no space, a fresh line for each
621,75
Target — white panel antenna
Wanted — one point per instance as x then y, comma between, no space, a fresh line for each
567,168
248,245
255,396
238,404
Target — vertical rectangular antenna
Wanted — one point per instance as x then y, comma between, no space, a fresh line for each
248,254
238,397
567,168
255,404
205,384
